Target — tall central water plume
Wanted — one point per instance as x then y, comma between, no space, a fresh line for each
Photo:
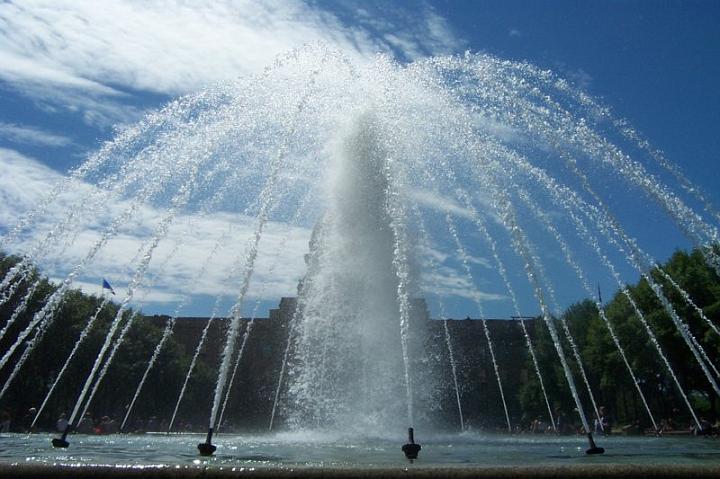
480,150
350,368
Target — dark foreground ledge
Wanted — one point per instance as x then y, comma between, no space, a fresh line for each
597,471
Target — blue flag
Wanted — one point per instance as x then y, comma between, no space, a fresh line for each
106,285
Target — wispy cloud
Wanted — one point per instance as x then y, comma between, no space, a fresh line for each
514,32
446,281
176,270
436,202
33,136
581,78
49,47
578,76
441,277
22,182
181,266
479,261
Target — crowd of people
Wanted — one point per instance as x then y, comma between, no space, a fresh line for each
602,425
88,424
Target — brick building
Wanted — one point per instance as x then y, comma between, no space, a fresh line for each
254,387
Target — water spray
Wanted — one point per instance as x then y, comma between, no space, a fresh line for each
425,117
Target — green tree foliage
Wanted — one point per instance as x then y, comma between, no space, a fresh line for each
607,373
254,389
114,394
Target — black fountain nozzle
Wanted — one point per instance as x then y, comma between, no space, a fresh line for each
411,449
206,448
593,448
62,442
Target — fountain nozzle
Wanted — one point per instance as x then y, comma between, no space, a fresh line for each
62,441
207,448
593,448
411,449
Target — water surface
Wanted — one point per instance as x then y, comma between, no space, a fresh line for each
302,450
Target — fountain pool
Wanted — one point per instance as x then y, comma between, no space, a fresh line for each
309,450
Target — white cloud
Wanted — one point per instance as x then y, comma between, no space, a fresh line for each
22,182
33,136
479,261
176,270
435,202
441,279
581,78
175,47
514,32
91,57
446,281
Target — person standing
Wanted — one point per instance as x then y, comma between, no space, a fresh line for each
602,424
85,426
28,419
62,423
5,421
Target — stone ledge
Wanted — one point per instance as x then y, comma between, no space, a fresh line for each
599,471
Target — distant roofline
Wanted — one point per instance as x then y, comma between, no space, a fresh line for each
205,318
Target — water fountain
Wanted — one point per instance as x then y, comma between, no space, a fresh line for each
385,163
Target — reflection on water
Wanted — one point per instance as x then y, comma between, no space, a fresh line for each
325,450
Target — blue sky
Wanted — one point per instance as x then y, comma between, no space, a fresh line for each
70,70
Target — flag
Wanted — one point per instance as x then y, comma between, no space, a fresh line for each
106,285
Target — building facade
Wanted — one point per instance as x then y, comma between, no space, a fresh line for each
253,390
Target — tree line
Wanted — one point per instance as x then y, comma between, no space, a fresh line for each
42,367
608,376
606,372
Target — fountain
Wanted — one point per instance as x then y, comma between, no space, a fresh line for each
405,174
